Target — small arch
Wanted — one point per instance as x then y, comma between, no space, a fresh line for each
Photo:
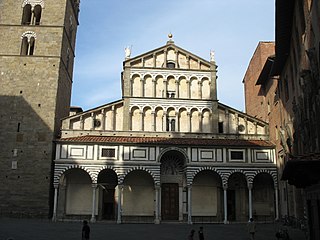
107,181
209,205
138,193
237,195
28,43
63,171
37,14
78,191
139,168
263,197
181,151
26,15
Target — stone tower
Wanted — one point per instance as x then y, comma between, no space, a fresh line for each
37,46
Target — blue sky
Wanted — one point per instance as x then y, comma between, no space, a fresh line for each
232,28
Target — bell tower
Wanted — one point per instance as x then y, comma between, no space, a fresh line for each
37,49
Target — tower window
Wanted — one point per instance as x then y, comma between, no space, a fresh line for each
37,14
27,46
31,15
26,15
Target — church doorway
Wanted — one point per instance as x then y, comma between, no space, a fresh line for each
170,201
107,182
173,180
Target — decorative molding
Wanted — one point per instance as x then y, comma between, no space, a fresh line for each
29,35
33,3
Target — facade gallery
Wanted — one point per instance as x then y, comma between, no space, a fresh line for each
167,151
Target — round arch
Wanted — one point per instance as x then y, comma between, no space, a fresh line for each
207,196
237,197
183,152
138,195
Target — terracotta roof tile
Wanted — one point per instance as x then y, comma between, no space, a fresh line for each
168,141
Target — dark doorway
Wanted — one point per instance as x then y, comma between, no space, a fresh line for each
231,205
107,182
170,201
108,208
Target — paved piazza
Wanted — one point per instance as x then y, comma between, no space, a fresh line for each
25,229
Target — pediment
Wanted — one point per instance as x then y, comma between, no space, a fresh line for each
169,56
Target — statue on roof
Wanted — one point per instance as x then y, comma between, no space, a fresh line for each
127,52
212,56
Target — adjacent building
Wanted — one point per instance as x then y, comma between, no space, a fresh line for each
287,85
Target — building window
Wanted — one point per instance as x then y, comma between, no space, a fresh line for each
26,15
28,43
108,152
37,15
220,127
171,94
171,65
171,124
27,46
236,155
31,15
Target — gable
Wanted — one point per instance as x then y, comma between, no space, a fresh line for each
169,56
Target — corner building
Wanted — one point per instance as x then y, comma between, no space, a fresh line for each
37,44
167,151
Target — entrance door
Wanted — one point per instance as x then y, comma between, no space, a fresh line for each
108,205
170,201
231,205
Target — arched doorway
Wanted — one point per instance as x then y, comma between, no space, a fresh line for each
207,197
107,182
172,177
263,197
138,197
75,194
237,198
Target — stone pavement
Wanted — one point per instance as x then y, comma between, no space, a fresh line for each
32,229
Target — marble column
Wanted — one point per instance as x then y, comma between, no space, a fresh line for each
225,204
177,89
93,215
154,87
189,205
120,189
55,202
250,200
180,203
189,121
199,89
188,88
153,114
156,206
277,202
141,87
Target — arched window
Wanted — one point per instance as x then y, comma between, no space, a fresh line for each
37,14
31,46
171,65
32,14
24,46
28,43
171,125
26,15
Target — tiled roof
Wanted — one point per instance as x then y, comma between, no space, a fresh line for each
167,141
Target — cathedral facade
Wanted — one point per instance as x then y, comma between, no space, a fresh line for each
168,150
